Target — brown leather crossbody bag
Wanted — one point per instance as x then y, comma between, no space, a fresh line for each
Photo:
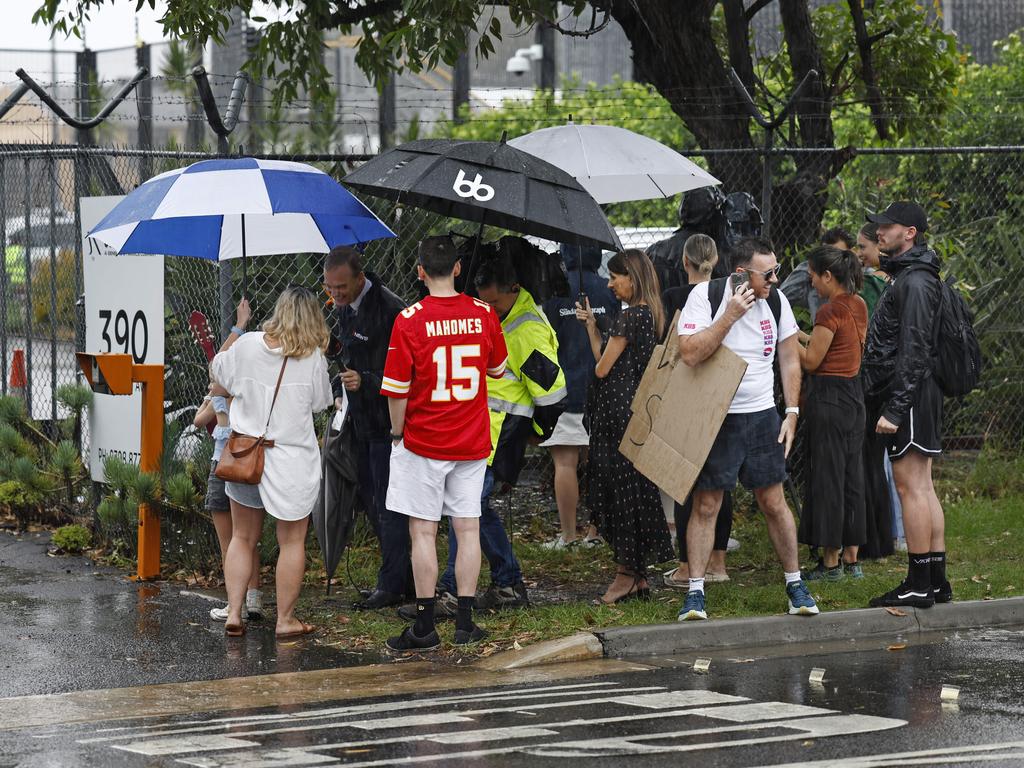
242,459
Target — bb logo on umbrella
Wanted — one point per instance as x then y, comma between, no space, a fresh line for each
475,188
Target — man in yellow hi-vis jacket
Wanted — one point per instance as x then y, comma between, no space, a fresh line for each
525,404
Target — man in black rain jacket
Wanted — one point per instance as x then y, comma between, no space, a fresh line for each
902,391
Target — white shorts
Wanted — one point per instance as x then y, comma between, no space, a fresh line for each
428,488
568,431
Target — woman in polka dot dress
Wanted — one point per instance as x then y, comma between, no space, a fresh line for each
625,505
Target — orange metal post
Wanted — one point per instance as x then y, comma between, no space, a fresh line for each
152,379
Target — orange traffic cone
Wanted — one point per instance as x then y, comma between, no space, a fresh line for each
18,378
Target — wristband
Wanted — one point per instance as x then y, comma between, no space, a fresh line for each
793,409
236,330
396,438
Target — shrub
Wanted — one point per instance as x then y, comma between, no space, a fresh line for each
72,538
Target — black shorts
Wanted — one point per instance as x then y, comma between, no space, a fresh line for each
748,449
921,429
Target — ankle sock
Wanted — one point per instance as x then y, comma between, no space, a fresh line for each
697,585
792,578
919,571
464,617
938,568
424,616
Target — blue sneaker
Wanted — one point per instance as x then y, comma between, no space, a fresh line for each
693,607
800,601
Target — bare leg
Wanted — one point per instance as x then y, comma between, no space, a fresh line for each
222,524
831,557
566,459
246,527
921,508
291,565
781,528
850,554
700,533
422,536
467,559
716,563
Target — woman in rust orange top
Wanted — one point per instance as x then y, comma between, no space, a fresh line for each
833,516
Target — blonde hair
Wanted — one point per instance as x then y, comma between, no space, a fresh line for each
298,323
702,253
636,265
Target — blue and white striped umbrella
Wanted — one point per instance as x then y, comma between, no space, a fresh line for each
237,207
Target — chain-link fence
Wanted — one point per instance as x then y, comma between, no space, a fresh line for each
974,197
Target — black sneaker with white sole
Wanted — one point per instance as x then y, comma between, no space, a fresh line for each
904,597
469,636
408,641
943,593
499,598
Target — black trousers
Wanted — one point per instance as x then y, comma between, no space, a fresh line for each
392,528
833,513
723,525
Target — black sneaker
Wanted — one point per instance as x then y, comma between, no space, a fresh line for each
498,598
446,606
468,636
407,641
943,593
904,597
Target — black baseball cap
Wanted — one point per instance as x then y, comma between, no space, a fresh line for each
904,213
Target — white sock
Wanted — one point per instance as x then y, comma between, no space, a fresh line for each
792,578
697,585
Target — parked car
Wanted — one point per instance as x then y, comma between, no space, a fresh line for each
38,238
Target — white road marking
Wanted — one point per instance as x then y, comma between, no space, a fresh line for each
943,755
176,746
763,710
163,729
673,699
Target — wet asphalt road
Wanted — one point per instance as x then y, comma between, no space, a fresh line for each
66,624
874,707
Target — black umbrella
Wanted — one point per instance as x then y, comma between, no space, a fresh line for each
334,515
490,183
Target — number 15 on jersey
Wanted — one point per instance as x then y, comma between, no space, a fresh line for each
457,377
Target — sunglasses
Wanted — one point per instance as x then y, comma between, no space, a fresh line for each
774,271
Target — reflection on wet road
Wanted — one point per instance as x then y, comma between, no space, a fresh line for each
873,707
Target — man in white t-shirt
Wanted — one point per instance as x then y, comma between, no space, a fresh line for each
756,322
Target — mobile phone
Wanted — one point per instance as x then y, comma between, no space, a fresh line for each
738,279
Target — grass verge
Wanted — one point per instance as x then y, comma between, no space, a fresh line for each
983,513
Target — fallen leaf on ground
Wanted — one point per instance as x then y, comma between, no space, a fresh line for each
897,647
977,579
343,619
1009,588
517,646
896,611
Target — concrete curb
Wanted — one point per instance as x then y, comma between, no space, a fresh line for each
658,639
579,647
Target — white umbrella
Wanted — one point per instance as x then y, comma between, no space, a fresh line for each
613,164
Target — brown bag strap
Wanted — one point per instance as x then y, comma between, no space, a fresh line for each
277,389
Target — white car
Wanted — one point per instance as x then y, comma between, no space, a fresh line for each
630,237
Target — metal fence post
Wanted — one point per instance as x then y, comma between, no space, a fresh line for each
28,285
86,66
144,99
386,114
3,276
76,161
51,172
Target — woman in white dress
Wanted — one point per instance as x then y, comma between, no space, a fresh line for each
249,371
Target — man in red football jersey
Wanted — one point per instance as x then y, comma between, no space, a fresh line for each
441,349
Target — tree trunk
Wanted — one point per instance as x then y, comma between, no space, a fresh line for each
674,50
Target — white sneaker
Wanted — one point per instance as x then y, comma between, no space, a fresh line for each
254,604
221,614
732,546
560,543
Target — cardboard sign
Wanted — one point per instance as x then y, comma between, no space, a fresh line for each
677,413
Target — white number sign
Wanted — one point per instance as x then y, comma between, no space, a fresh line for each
124,306
465,379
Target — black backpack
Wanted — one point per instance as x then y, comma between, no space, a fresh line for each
957,367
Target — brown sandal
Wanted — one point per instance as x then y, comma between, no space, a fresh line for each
234,630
